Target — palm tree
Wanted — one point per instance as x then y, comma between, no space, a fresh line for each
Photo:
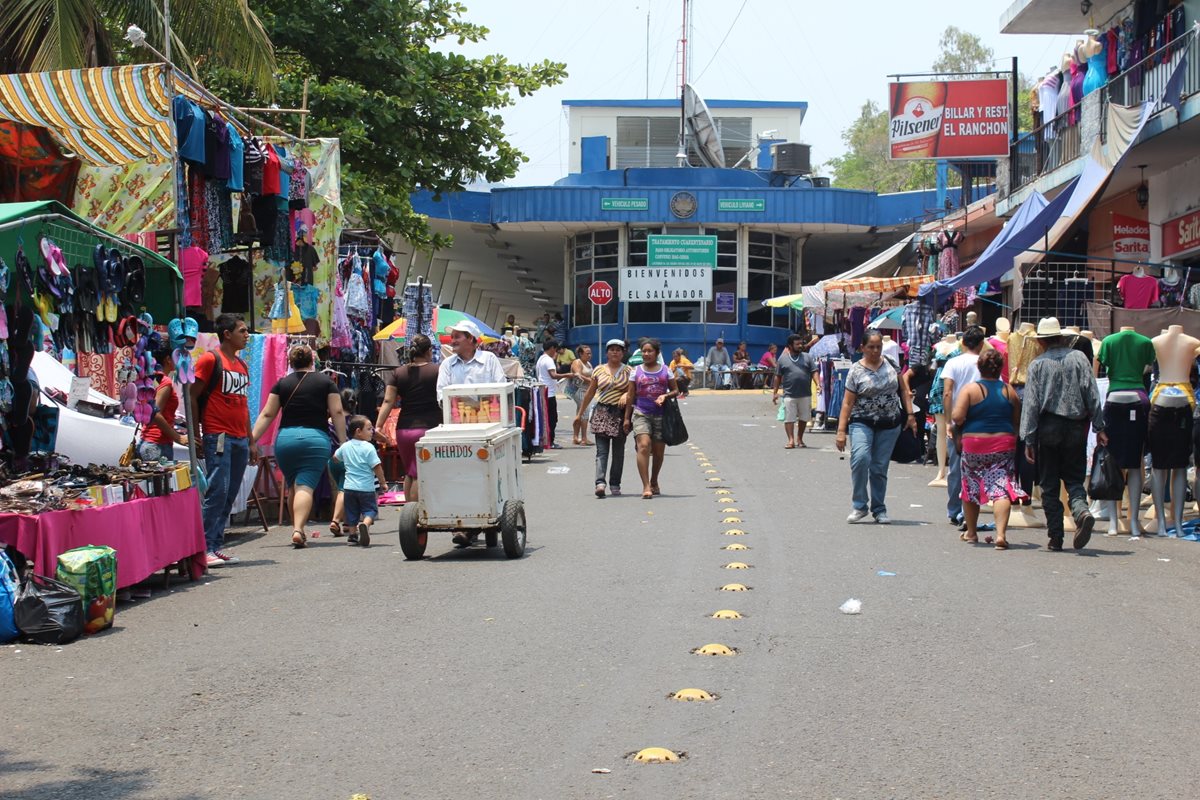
38,35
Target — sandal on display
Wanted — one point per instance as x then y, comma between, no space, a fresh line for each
135,281
24,269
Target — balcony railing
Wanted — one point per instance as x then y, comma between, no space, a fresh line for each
1057,142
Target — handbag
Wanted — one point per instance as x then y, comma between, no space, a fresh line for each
130,454
1106,481
674,431
907,449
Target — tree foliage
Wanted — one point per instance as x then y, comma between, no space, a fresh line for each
960,51
40,35
411,112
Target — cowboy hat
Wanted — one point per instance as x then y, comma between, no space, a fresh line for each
1048,327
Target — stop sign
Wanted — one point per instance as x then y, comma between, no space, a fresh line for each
600,292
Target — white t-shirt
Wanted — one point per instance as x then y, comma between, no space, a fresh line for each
962,370
546,365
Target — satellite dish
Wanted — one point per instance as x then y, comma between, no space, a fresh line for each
704,129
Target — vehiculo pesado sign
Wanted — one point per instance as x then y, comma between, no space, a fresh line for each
678,268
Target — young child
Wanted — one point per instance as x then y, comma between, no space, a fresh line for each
363,466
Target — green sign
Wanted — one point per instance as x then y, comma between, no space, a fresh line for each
681,251
624,204
741,204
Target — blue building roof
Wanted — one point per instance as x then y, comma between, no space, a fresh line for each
673,102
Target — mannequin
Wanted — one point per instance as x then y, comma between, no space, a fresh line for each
1127,355
1137,289
942,351
1170,288
999,342
1169,432
1093,50
891,349
1022,349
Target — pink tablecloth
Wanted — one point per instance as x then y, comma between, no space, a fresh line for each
148,534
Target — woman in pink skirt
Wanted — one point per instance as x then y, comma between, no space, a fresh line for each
415,385
985,418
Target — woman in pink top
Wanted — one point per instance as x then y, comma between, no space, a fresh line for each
768,358
651,385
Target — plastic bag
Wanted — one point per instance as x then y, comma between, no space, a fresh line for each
674,431
1106,481
781,414
92,571
9,585
48,612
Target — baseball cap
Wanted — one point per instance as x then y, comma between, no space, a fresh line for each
720,340
465,326
615,343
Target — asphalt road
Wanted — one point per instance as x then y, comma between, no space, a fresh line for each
322,673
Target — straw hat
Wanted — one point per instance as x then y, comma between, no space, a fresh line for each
1048,327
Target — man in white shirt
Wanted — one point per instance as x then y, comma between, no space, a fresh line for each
547,372
469,364
958,372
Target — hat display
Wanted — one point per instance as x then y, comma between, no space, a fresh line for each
1047,327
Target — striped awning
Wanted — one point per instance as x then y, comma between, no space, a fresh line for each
877,285
106,115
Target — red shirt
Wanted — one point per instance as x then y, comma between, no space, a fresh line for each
271,172
153,433
227,410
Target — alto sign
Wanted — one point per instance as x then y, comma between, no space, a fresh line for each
1181,235
600,293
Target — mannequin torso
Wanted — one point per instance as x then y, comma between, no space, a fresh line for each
1176,353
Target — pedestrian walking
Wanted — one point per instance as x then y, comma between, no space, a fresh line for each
364,474
1061,398
985,418
581,375
876,404
958,372
794,375
305,401
609,385
650,386
415,385
548,374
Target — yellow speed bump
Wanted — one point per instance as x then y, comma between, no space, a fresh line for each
720,492
714,650
710,472
726,613
732,520
656,755
735,587
706,463
735,531
700,455
736,546
736,565
730,510
726,500
692,696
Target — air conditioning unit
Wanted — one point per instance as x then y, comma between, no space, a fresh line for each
819,182
793,158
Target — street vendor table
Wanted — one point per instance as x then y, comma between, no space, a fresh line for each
149,534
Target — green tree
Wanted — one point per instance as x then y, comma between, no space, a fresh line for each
960,51
865,164
38,35
411,112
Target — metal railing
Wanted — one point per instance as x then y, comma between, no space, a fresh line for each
1147,78
1063,289
1046,148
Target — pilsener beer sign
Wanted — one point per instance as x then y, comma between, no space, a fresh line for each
944,119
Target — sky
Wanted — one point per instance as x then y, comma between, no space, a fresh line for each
818,51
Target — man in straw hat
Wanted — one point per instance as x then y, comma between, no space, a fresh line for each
1061,399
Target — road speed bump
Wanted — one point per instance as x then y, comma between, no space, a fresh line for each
720,492
735,587
656,755
726,613
736,546
715,480
736,565
710,472
714,650
731,520
700,455
692,696
726,500
730,510
735,531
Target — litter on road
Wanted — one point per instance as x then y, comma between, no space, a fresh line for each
851,606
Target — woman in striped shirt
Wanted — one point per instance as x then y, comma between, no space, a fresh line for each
609,384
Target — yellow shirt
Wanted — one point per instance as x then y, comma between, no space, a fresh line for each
683,363
610,388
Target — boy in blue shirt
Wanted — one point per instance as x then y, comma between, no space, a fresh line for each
363,467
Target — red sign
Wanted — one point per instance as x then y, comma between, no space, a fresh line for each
600,292
949,119
1181,235
1131,237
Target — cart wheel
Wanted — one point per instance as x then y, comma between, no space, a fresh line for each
412,538
512,528
492,538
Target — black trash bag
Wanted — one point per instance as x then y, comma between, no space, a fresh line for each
907,448
1106,481
47,611
674,431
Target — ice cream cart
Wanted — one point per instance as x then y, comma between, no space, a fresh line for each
469,473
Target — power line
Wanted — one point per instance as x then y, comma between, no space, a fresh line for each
736,17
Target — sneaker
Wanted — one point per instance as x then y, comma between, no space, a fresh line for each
1083,530
364,534
883,519
615,491
211,560
857,516
599,490
228,559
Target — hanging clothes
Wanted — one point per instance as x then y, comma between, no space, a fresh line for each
1097,69
1048,89
948,264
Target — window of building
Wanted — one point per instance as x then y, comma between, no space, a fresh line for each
654,141
594,257
725,278
769,260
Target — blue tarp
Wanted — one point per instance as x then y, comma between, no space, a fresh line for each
1027,226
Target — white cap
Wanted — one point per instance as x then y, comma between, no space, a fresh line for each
465,326
615,343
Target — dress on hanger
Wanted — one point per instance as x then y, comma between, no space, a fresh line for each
1077,75
948,263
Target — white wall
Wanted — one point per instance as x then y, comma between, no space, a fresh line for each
1172,194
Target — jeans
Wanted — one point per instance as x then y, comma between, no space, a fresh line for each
954,507
604,446
1062,456
150,451
722,377
552,416
224,472
870,455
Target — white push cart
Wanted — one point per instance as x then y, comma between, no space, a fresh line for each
469,473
